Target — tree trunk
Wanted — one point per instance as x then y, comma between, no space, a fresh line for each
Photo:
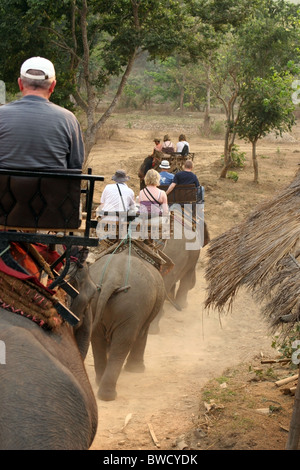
227,154
90,135
254,161
89,105
207,117
294,432
181,99
230,133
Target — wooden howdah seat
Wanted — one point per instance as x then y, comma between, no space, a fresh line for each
176,160
181,194
46,207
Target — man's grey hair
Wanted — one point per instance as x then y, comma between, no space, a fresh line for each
34,84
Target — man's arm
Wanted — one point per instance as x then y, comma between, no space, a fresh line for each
170,188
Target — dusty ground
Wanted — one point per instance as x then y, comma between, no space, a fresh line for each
199,358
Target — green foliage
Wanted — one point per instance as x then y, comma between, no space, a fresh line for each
232,175
54,30
238,158
266,106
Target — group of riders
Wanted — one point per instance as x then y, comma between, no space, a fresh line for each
36,134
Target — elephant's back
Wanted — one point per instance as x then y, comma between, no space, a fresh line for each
125,267
46,398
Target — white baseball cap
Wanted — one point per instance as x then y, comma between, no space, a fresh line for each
38,63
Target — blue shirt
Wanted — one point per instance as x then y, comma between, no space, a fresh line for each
166,178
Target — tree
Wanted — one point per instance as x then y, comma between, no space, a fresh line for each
267,41
266,106
90,42
218,24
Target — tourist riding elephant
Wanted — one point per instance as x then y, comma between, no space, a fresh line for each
47,402
131,293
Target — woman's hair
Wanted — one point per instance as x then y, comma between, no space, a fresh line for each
152,177
182,137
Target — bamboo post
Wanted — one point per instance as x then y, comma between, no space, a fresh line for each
294,431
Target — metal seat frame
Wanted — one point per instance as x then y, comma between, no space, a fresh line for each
67,238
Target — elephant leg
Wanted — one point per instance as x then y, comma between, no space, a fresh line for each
154,325
135,360
99,348
172,292
119,349
186,284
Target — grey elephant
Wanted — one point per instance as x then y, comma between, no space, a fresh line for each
47,402
182,277
185,257
131,293
79,277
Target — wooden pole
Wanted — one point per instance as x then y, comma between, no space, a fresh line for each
294,431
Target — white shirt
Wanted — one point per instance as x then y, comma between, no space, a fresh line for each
180,146
111,202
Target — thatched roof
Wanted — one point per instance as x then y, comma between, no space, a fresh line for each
261,254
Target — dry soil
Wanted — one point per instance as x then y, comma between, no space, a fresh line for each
205,386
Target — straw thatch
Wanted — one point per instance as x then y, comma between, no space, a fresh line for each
261,254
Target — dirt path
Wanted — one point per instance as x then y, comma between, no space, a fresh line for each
193,346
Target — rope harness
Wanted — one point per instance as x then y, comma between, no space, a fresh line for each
125,240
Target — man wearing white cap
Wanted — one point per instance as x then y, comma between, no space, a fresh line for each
35,133
165,176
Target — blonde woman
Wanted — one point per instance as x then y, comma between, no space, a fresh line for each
153,200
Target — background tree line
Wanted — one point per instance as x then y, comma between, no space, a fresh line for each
242,54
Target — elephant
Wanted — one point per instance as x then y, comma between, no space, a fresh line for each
47,402
182,276
130,295
79,277
184,271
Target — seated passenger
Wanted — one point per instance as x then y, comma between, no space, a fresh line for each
158,146
185,176
152,199
165,176
167,146
34,132
183,146
116,197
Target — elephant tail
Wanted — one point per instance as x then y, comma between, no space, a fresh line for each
173,302
105,293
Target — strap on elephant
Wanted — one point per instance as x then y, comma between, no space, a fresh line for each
124,240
